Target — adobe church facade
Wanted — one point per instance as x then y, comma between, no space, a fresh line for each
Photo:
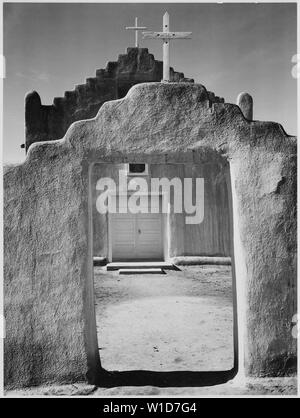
156,234
46,123
173,237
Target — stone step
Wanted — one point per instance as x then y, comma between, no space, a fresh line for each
140,265
199,260
142,271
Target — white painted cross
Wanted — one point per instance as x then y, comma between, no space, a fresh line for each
136,28
166,36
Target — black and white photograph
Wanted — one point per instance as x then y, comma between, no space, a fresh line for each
149,202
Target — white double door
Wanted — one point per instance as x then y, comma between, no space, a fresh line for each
136,236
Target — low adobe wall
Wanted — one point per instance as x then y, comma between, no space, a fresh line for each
49,305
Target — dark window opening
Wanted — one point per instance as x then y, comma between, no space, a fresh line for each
137,168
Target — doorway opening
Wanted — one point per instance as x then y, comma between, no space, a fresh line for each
181,321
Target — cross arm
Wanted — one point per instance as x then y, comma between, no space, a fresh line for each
167,35
136,27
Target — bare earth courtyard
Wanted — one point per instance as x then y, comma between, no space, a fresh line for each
181,320
178,321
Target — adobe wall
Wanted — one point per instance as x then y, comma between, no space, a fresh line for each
209,238
44,122
49,305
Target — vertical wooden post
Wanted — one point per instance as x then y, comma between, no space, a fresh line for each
166,49
166,36
136,29
136,34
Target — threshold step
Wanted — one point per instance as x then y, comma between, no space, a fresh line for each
140,265
141,271
201,260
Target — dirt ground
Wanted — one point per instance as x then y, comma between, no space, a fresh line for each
282,386
182,320
178,321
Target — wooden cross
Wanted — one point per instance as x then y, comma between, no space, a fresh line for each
136,28
166,36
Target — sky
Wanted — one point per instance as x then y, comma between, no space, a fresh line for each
234,47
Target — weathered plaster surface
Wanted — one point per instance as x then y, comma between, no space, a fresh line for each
245,102
51,330
44,122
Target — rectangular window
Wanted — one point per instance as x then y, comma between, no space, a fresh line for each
137,169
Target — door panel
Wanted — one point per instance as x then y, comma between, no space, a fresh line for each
123,235
149,236
136,236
